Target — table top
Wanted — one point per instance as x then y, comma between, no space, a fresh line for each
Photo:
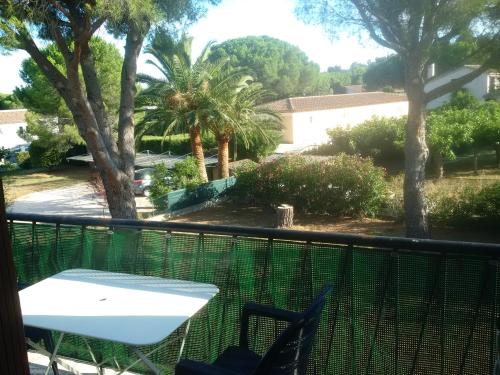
129,309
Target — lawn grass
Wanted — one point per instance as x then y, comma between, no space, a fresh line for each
26,182
452,182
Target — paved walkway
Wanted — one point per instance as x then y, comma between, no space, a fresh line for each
79,200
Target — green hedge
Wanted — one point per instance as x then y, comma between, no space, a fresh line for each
177,144
342,185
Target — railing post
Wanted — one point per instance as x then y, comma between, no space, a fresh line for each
350,291
13,357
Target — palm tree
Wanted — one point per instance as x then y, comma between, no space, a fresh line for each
178,100
236,113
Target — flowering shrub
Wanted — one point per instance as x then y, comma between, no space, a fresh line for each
342,185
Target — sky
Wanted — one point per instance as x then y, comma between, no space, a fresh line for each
240,18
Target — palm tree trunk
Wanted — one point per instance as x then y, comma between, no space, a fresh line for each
235,148
223,155
197,150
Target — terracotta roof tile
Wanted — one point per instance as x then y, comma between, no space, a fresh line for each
319,103
13,116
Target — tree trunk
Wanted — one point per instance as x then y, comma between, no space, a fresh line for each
13,357
437,158
497,153
475,160
85,104
416,154
126,141
197,149
223,156
94,96
118,185
284,216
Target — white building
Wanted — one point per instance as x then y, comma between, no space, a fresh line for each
480,87
306,119
10,122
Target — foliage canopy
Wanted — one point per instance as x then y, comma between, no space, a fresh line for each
280,67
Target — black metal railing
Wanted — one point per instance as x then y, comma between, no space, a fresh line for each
400,306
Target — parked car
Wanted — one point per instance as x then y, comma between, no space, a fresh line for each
142,181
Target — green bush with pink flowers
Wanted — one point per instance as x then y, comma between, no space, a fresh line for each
342,185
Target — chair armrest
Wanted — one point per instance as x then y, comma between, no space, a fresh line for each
189,367
255,309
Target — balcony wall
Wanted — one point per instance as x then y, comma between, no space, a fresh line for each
399,306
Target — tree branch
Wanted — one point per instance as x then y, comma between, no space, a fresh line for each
455,84
97,24
126,141
59,7
49,70
61,43
94,96
368,24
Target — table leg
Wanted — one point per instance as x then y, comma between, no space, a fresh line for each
98,366
144,357
184,340
40,349
146,360
54,354
141,355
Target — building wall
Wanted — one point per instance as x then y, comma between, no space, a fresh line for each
477,87
8,135
287,122
309,128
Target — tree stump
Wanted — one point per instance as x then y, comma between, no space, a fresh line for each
284,216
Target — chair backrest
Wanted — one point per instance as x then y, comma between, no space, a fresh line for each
289,354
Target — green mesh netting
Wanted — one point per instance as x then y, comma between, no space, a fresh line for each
390,313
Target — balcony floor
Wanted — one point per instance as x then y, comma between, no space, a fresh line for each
38,364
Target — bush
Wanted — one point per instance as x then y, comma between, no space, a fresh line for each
380,138
245,179
468,207
259,147
7,167
463,99
41,156
160,186
23,159
52,158
341,186
184,175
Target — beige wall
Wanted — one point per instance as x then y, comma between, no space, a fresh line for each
287,121
309,128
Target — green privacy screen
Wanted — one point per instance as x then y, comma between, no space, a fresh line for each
179,199
392,312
